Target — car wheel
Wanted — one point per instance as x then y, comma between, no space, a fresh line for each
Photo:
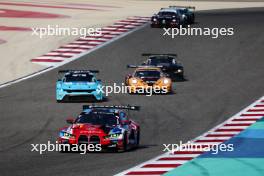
181,76
193,19
60,101
124,148
63,100
138,138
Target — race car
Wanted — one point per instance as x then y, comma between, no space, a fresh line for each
78,84
167,63
167,17
186,14
147,79
108,126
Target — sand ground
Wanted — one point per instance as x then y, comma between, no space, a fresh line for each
21,46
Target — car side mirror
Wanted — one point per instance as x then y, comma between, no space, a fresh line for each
70,120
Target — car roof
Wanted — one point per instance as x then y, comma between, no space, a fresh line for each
161,56
106,110
70,74
178,7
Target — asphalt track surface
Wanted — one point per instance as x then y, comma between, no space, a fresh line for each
223,76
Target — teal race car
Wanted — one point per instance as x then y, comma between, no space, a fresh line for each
79,85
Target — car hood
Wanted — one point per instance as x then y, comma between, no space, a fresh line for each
165,17
164,64
168,65
90,129
150,79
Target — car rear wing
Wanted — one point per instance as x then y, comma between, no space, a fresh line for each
143,66
127,107
188,7
163,8
78,71
156,54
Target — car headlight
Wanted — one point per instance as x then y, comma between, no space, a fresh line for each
113,136
179,70
166,81
134,81
154,19
99,89
67,135
173,20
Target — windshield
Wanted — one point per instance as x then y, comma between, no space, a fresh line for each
167,14
98,118
161,60
78,78
147,73
183,11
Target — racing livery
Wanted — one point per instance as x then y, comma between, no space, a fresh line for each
173,16
109,126
167,63
148,78
167,17
186,14
78,84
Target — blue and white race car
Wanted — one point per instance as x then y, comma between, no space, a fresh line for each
76,84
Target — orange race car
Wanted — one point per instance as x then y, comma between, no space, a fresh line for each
148,79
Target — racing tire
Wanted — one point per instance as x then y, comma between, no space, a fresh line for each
60,101
124,149
193,20
63,100
181,76
138,138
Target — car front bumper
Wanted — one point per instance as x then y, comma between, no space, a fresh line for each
61,94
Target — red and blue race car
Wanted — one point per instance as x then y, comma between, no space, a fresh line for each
107,126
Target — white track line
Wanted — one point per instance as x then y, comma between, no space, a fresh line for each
90,42
209,138
69,47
